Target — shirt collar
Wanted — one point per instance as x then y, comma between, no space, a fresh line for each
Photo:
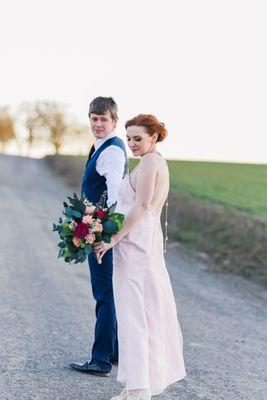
99,142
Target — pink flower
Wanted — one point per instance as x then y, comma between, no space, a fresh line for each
89,210
76,242
90,238
98,227
72,225
88,219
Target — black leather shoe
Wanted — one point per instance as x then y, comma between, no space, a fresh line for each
113,361
90,367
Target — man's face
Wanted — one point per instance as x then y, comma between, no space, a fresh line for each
102,125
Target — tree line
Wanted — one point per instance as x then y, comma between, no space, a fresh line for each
40,122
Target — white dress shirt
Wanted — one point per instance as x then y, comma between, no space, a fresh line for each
110,164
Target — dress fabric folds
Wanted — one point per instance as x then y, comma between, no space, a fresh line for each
149,334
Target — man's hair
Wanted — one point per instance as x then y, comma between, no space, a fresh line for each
100,105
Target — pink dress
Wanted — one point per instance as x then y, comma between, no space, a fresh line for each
150,338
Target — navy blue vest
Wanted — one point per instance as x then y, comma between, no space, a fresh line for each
93,184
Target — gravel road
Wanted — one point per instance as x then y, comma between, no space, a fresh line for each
47,312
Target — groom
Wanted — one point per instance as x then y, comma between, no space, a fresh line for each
105,168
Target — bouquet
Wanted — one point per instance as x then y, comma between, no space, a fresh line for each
85,224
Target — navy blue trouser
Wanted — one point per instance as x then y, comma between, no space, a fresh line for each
106,342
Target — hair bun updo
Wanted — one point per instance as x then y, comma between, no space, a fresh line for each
162,132
150,123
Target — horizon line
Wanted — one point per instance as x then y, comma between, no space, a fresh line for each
204,160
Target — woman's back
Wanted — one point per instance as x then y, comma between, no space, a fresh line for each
162,180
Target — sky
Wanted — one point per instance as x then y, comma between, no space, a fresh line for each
199,66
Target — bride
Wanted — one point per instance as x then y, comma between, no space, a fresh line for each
150,338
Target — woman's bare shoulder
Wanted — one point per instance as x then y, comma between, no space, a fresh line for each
148,163
150,159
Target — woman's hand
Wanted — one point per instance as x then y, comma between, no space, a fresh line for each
101,248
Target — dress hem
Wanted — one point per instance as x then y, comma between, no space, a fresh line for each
153,393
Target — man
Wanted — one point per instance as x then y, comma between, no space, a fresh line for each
106,166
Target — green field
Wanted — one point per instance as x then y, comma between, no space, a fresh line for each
215,208
243,186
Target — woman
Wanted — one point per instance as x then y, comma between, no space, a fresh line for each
150,339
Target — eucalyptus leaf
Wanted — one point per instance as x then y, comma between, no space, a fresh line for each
106,239
61,252
110,227
88,249
69,212
80,254
112,208
76,214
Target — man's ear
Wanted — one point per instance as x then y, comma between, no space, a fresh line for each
115,121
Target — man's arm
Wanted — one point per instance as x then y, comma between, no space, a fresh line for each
110,164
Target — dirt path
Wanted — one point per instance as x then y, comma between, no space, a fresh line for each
47,312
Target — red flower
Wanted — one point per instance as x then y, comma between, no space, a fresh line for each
101,213
81,230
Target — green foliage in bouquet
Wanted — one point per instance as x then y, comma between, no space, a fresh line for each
85,224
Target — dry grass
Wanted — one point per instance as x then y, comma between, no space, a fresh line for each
236,241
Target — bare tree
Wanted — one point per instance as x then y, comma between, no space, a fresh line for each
45,120
7,131
54,118
62,127
31,117
81,135
50,122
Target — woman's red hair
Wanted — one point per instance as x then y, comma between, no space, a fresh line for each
151,125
